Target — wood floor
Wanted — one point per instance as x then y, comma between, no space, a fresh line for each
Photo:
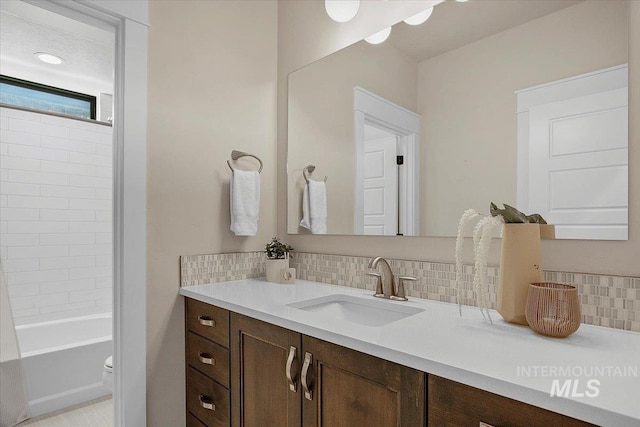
97,413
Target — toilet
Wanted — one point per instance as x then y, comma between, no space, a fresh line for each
107,373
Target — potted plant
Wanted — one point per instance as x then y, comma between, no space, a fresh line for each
277,258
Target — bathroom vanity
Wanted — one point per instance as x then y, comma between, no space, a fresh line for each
259,353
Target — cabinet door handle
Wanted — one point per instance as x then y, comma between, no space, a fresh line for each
206,358
291,378
305,380
207,403
484,424
206,321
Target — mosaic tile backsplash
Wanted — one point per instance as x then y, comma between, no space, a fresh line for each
611,301
212,268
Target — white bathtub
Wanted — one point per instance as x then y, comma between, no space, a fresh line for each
63,360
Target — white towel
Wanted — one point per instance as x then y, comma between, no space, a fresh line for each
314,207
305,223
245,202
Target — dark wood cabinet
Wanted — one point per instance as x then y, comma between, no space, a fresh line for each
208,321
243,372
207,400
193,421
348,388
261,395
282,378
207,359
453,404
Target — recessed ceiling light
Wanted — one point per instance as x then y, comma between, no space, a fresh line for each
420,17
378,37
48,58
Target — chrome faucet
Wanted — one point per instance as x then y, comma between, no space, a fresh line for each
386,283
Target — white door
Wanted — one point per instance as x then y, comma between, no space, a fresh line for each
380,187
578,165
376,118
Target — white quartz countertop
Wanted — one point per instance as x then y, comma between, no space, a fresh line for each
502,358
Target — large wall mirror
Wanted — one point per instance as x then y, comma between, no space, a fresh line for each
517,102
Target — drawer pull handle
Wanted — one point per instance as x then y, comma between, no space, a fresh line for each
291,378
305,380
484,424
206,359
207,403
206,321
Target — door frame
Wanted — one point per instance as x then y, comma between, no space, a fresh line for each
129,21
376,111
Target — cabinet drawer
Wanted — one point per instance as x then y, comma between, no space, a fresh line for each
193,421
209,358
209,321
453,404
207,400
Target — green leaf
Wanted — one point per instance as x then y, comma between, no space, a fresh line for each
275,249
512,215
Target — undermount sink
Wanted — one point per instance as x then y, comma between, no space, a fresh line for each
367,312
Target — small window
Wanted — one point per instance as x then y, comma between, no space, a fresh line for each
35,96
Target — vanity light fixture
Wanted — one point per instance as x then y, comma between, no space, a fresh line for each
462,1
378,37
342,10
48,58
420,17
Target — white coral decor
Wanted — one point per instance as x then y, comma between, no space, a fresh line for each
482,235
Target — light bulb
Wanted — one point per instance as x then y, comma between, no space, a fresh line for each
378,37
342,10
420,17
48,58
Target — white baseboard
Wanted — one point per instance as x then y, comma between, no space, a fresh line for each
72,397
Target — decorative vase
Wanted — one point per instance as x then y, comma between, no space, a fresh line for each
520,265
553,309
547,231
274,266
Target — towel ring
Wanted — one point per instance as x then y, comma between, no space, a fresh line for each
235,155
309,170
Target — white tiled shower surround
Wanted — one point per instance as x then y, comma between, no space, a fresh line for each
611,301
55,215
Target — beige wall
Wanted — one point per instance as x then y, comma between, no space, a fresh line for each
212,88
303,38
467,103
321,114
212,74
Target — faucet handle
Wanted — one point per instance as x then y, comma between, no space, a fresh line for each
379,293
400,293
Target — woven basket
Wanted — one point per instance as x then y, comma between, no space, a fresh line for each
553,309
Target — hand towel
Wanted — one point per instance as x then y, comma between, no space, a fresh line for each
245,202
314,207
305,223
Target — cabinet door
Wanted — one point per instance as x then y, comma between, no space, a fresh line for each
261,356
455,404
348,388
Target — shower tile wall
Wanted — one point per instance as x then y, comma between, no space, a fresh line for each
55,215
